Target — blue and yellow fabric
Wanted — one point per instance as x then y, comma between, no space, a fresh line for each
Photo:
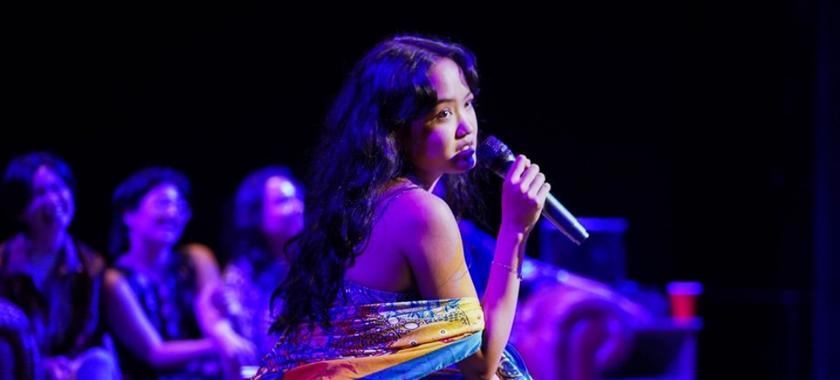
400,340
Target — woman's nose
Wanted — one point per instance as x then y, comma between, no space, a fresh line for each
294,207
54,197
465,127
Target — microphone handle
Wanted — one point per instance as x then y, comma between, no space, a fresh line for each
498,158
564,220
557,214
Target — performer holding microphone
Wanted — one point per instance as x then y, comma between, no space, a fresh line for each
378,285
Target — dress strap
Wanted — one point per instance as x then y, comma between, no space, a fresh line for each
393,197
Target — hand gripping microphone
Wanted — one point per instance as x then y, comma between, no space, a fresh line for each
497,157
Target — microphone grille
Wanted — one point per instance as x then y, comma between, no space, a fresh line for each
495,155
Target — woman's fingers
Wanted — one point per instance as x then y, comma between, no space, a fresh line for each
516,170
523,194
242,350
543,192
535,185
528,178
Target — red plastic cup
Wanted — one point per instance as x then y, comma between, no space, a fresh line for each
683,297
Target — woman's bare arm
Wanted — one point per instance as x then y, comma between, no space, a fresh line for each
131,327
433,247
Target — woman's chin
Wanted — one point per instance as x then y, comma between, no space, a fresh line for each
464,164
167,237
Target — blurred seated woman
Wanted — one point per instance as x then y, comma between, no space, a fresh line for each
158,297
49,274
268,212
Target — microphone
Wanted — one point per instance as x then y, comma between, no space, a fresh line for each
497,157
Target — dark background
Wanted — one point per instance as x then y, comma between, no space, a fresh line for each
695,121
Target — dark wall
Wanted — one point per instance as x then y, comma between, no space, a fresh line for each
692,120
826,284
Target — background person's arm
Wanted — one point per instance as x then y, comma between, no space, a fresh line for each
129,324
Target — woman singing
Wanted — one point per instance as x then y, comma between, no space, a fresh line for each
378,287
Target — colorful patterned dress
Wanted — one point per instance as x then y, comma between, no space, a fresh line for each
385,335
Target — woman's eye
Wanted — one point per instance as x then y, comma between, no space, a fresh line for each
444,113
470,103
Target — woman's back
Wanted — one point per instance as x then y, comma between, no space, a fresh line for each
400,241
383,248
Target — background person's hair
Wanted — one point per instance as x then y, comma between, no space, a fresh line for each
358,155
130,193
17,182
246,222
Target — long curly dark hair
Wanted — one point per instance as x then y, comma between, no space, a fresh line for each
357,157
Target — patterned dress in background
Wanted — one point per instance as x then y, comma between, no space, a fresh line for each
169,306
249,289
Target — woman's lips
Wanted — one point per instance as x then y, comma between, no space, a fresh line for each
467,155
468,151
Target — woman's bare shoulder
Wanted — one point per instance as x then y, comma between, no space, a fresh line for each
417,208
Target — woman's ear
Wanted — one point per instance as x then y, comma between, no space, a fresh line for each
129,217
